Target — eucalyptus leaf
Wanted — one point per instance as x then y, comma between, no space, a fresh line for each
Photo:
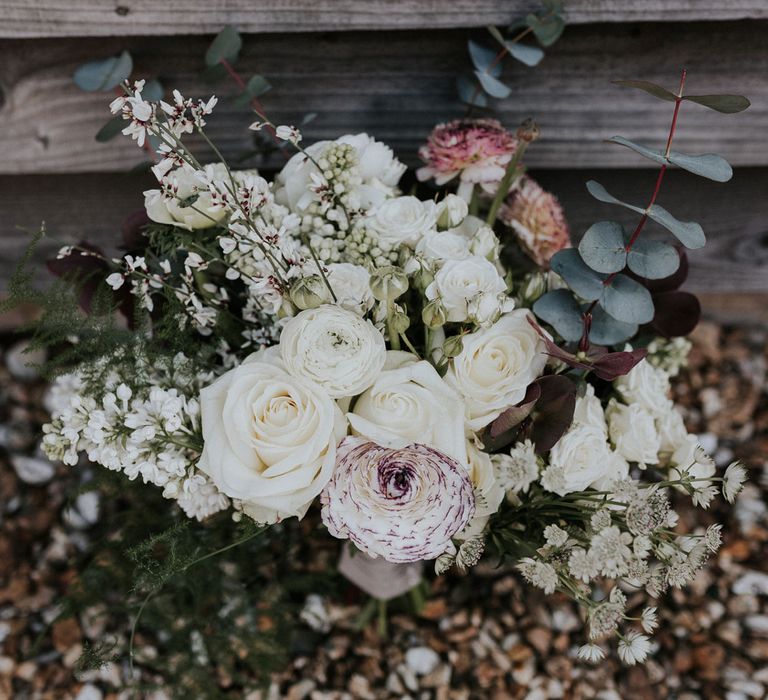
482,57
606,330
627,300
496,34
469,93
547,29
153,90
104,75
214,74
653,259
603,247
553,6
225,47
650,88
561,311
494,87
111,129
650,153
727,104
525,53
601,194
689,233
255,87
587,283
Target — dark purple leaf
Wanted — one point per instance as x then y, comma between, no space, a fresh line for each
615,364
516,414
553,411
677,313
133,229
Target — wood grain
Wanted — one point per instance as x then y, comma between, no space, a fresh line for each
53,18
397,85
732,270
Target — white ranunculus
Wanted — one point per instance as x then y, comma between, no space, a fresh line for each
402,220
334,348
409,402
495,367
645,385
459,281
581,459
437,247
187,183
633,433
269,438
352,286
488,492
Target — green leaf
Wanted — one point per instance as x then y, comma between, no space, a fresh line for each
560,310
547,28
225,47
494,87
650,88
104,75
255,87
214,74
587,283
482,57
470,93
153,90
525,53
606,330
603,247
727,104
653,260
111,129
627,300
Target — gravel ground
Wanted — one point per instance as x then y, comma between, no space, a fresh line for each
484,636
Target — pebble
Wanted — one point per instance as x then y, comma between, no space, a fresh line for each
33,470
84,512
89,692
17,360
757,623
422,660
754,582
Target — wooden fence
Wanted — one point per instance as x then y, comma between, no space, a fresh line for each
396,82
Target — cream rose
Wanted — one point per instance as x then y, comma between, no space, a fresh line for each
269,438
186,184
409,402
352,286
402,220
334,348
633,433
437,247
458,282
647,386
495,366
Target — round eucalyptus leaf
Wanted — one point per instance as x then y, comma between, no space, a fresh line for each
547,28
689,233
587,283
104,75
606,330
493,86
650,88
470,93
603,247
225,47
153,90
482,57
653,260
525,53
627,300
709,165
560,310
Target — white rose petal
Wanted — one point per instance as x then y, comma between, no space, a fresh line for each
402,220
352,286
647,386
437,247
633,433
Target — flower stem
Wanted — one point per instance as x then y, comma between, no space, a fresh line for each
506,182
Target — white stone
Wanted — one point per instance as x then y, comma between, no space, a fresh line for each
422,660
17,360
89,692
33,470
84,512
754,582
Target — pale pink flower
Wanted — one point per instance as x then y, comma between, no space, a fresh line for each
478,150
537,218
402,504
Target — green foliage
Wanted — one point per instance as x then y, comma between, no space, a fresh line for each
225,47
104,75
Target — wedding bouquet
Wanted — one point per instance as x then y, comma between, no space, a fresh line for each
442,373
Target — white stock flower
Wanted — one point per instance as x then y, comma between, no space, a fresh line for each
647,386
402,220
409,402
459,281
402,504
633,433
334,348
269,438
352,286
495,367
184,184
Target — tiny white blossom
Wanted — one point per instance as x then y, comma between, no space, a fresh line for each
115,280
634,648
555,536
713,538
733,480
582,565
539,573
648,620
288,133
591,653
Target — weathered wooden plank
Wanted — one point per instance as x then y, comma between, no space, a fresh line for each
732,270
398,86
50,18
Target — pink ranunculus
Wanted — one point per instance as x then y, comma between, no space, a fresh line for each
537,219
402,504
478,150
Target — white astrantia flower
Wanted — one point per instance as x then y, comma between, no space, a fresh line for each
591,653
611,552
402,220
690,461
458,282
409,402
648,620
539,573
582,565
403,504
633,433
351,285
713,537
555,536
269,437
495,367
733,480
334,348
519,469
646,386
634,648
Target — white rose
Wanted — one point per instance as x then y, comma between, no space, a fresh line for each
485,244
589,410
672,431
269,438
495,367
402,220
379,169
334,348
451,211
633,433
437,247
581,459
409,402
488,491
458,281
485,308
351,285
645,385
186,183
292,183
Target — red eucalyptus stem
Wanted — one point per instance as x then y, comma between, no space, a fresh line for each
584,342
